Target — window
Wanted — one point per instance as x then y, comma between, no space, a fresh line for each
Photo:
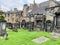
12,19
8,15
5,15
8,19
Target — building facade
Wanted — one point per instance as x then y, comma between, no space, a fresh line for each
13,17
44,16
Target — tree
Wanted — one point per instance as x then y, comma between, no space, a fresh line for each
1,12
1,18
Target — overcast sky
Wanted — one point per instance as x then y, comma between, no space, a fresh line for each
10,4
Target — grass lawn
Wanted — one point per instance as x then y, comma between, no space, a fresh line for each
23,37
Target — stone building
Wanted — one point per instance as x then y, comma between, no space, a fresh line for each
46,16
52,14
13,17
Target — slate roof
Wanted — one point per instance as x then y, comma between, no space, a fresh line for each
12,12
40,10
46,3
42,7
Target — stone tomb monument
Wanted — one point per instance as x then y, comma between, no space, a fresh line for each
15,28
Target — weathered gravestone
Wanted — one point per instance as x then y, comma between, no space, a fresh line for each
49,26
40,40
55,35
3,32
15,28
31,26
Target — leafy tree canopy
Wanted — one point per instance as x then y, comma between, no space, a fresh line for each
1,18
1,12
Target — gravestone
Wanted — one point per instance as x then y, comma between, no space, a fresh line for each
15,28
40,40
3,32
49,26
55,35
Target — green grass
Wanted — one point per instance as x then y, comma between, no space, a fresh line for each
24,37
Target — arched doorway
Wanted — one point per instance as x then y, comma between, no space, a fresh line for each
23,24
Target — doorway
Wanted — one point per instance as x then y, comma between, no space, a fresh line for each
58,21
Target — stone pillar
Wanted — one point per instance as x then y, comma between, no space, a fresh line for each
44,22
55,20
54,29
35,22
